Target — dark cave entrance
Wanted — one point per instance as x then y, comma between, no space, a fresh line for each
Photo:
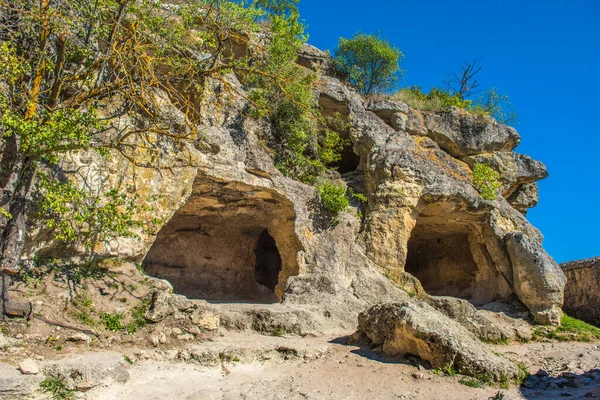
349,161
268,261
234,243
447,253
339,112
442,262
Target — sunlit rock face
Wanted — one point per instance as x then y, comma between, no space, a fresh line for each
230,227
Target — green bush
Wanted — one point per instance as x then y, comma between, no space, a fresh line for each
301,141
497,105
112,322
370,63
486,181
435,100
333,198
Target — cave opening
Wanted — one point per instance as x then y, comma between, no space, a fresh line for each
268,261
442,262
447,253
339,114
228,244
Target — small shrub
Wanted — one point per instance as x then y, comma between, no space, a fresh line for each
486,181
471,382
112,322
497,396
369,62
138,321
56,388
333,198
496,104
358,196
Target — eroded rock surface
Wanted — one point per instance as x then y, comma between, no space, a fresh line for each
416,328
582,292
88,370
231,227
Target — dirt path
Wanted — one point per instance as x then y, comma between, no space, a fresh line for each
315,368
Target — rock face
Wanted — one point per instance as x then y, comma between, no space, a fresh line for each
416,328
582,292
89,370
232,228
14,385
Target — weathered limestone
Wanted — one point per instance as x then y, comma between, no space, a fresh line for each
515,169
89,370
538,280
582,292
233,228
416,328
14,385
460,133
211,248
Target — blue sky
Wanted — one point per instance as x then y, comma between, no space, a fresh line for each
544,54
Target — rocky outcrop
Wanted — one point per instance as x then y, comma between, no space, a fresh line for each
582,292
228,226
416,328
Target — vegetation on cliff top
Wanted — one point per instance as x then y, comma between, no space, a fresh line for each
369,62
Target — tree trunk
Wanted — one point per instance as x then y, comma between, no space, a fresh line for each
11,308
13,234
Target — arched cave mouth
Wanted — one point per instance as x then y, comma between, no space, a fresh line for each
448,255
349,160
228,243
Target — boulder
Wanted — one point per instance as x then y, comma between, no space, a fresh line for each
418,329
461,133
13,384
524,197
468,316
89,370
312,58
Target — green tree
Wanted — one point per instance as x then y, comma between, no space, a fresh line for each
369,62
60,61
498,105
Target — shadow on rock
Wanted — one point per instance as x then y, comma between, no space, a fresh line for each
367,350
566,385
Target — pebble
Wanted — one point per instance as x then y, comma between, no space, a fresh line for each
29,367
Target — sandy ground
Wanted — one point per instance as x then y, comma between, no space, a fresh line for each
338,371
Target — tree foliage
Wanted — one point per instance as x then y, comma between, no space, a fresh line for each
369,62
86,75
334,199
498,105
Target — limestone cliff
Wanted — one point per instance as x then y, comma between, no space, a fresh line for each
231,227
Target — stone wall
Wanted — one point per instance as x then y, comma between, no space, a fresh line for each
582,292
